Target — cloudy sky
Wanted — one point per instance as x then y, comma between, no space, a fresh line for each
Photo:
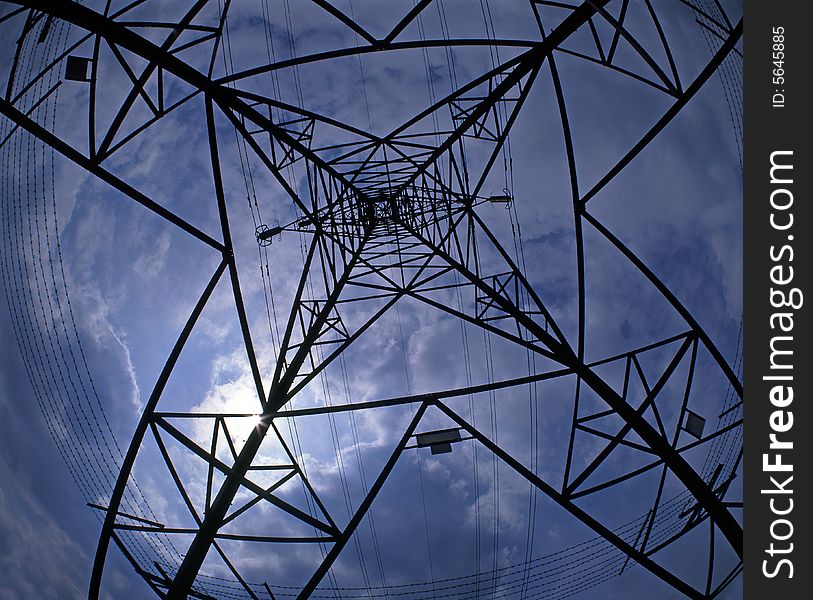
97,289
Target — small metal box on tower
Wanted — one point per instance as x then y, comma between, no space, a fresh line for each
76,68
440,442
694,424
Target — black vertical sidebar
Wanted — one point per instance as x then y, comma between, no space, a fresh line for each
778,368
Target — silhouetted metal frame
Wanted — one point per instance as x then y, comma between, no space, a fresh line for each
232,104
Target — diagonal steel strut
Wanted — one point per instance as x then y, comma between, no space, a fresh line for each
278,395
565,355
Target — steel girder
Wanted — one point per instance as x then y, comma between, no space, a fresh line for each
343,231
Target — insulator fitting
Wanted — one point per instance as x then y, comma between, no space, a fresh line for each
265,234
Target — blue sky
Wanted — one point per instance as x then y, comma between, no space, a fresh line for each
132,280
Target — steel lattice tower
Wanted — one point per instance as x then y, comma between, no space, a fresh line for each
384,220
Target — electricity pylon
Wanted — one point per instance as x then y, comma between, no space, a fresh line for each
387,219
